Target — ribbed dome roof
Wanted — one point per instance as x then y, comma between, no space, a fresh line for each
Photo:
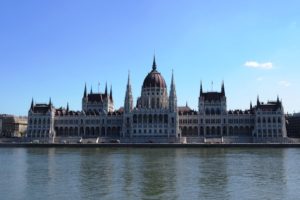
154,78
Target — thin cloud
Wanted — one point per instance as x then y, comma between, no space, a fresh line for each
257,65
284,83
260,79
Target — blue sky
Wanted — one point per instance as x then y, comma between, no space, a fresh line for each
51,48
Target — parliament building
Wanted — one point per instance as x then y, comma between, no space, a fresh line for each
156,116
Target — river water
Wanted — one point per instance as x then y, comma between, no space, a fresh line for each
145,173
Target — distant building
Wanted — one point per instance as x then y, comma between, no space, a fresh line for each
156,115
12,126
293,125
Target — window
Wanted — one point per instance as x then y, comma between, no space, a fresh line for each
207,111
279,120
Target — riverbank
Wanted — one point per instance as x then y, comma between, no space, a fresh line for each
150,145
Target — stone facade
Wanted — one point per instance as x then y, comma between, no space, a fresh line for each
293,125
156,115
12,126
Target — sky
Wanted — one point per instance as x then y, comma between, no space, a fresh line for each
52,48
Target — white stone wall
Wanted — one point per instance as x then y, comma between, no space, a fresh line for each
269,124
41,125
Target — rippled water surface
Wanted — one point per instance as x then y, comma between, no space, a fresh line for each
145,173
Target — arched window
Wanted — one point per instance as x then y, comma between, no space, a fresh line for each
166,119
140,118
145,119
160,118
155,118
153,103
150,118
207,111
134,119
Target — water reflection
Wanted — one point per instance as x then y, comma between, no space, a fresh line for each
213,174
12,170
258,173
158,174
131,173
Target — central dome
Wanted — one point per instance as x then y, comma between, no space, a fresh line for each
154,78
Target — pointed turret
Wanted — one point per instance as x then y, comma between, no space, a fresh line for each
106,89
91,91
251,105
201,90
110,93
257,101
154,63
67,107
223,89
50,103
32,104
85,92
173,88
173,96
128,104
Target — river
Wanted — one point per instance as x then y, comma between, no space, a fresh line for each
149,173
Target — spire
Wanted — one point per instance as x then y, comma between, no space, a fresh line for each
128,79
50,103
128,104
110,93
67,106
172,79
173,88
201,90
186,104
32,104
223,88
91,92
173,97
84,93
257,101
154,63
106,89
250,105
277,99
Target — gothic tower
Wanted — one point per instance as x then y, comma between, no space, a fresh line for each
128,104
173,96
